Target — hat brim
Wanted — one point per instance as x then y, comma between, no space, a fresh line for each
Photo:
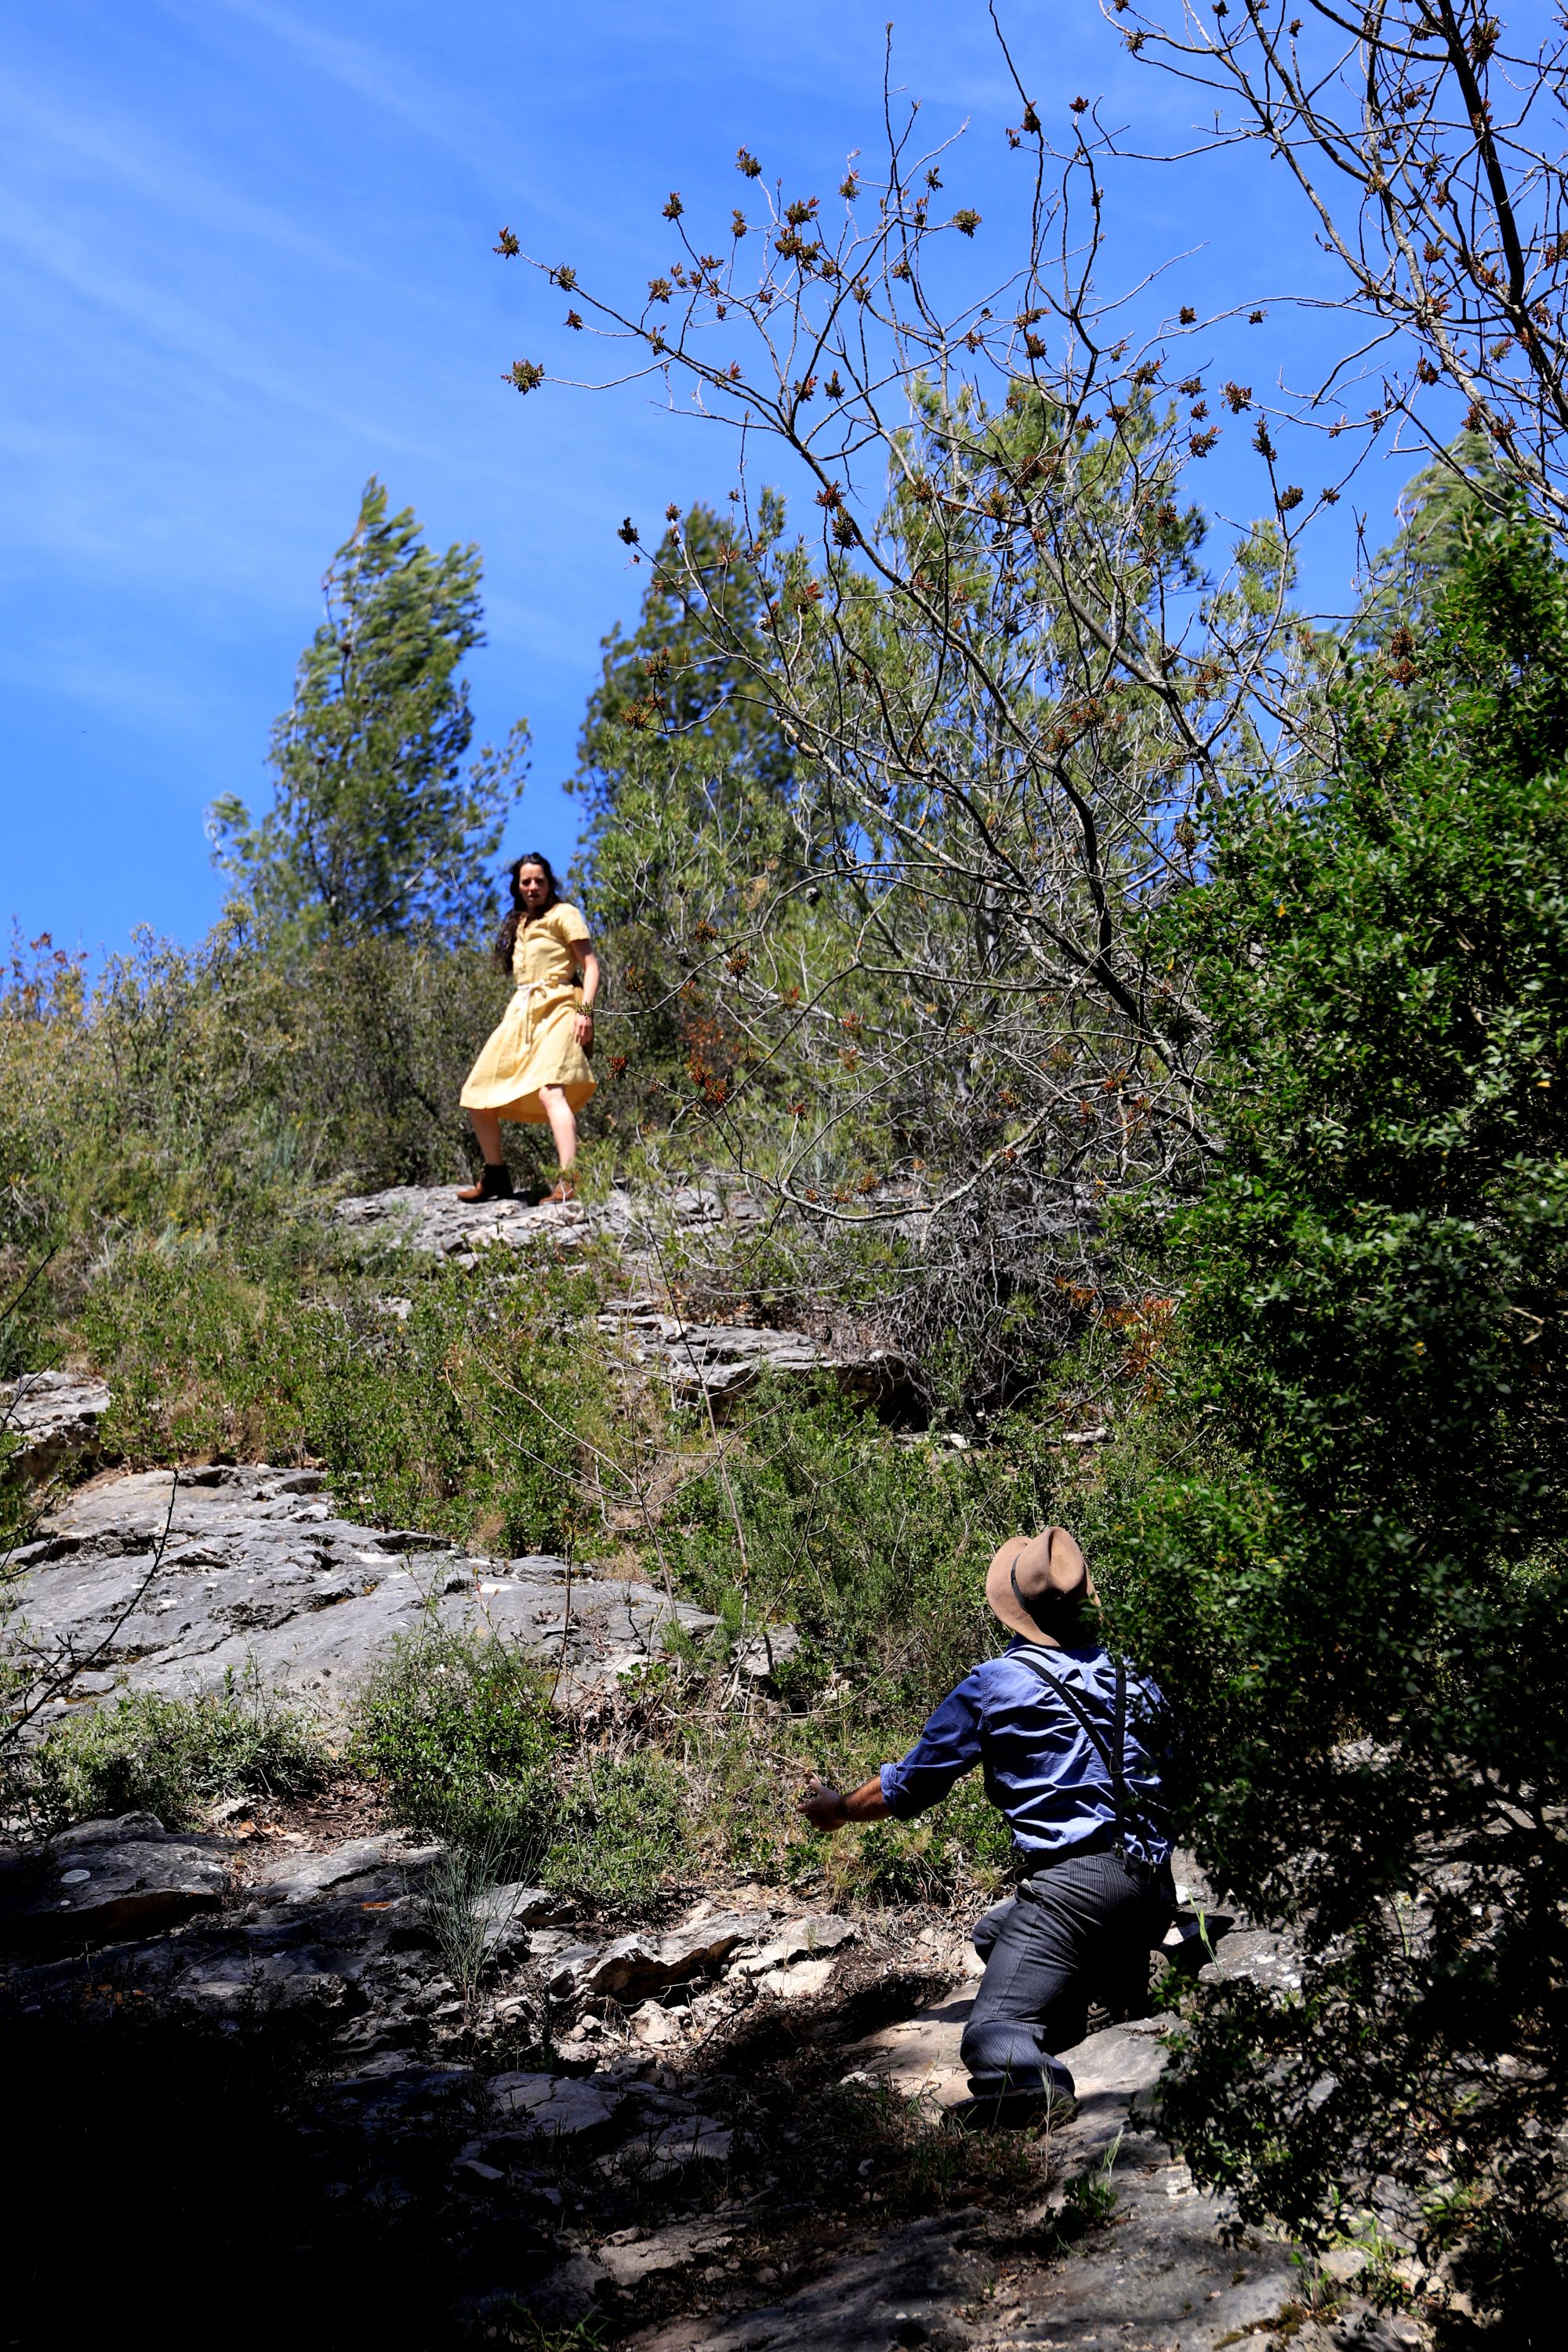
1068,1579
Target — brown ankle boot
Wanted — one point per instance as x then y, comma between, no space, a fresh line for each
495,1184
565,1190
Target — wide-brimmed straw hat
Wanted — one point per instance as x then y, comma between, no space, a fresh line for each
1045,1571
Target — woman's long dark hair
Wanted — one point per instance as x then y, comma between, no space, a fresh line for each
505,938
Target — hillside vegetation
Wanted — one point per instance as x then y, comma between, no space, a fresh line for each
1138,1009
1328,1510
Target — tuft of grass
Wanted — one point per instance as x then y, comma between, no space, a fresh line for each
452,1898
504,2320
473,1411
147,1753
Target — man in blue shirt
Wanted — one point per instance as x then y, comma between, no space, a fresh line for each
1069,1739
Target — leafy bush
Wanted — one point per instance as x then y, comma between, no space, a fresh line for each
1351,1569
947,1855
197,1096
878,1550
146,1753
459,1731
622,1829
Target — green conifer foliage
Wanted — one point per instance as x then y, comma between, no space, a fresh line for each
375,824
687,776
679,698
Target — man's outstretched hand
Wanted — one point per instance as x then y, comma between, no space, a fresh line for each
823,1806
827,1810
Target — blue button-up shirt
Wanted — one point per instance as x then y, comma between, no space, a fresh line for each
1041,1769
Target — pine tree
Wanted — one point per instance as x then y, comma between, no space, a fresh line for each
1445,513
677,717
375,826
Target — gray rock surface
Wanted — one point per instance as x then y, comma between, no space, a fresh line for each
258,1571
55,1418
508,1914
901,2287
632,1967
334,1935
721,1361
711,1363
629,2256
431,1219
110,1878
808,1937
558,2106
293,1878
1256,1952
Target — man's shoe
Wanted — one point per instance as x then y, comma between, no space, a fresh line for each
495,1184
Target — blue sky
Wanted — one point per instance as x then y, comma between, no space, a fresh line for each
245,262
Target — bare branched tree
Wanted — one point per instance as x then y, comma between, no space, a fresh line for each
1429,147
1009,682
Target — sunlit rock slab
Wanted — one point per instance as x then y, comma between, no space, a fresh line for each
153,1582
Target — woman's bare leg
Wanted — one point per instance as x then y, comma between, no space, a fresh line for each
487,1129
562,1123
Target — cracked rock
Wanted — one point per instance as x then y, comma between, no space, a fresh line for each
253,1569
55,1418
559,2107
635,1966
110,1878
717,1362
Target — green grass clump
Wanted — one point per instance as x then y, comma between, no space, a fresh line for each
146,1753
623,1831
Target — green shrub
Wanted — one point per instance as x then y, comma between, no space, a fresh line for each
146,1753
622,1831
877,1551
960,1849
1355,1589
458,1732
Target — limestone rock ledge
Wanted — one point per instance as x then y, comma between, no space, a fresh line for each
253,1569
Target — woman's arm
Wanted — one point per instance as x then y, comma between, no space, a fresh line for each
588,964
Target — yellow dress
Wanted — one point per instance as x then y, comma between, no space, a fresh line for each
536,1043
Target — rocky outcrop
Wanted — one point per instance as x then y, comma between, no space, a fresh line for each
592,2173
430,1219
1169,2274
55,1419
717,1362
702,1363
158,1583
112,1878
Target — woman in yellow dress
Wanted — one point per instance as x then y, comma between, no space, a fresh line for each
534,1067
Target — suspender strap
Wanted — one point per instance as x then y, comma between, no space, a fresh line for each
1113,1757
